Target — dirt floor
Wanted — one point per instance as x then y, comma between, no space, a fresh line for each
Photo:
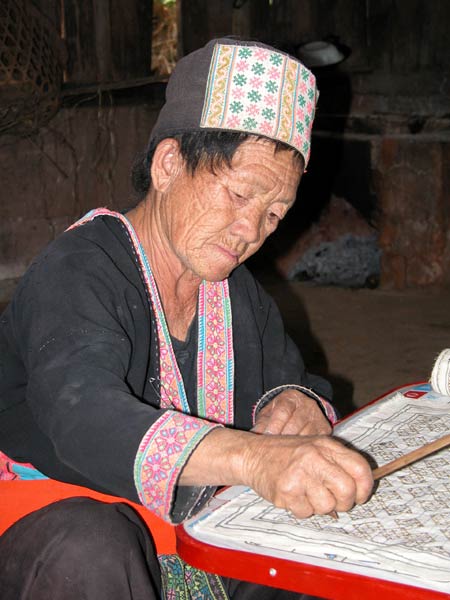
366,342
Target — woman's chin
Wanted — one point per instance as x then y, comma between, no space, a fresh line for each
218,274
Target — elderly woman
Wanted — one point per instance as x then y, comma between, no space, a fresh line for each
141,358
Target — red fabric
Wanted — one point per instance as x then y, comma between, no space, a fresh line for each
18,498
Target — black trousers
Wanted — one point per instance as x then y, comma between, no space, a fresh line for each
81,549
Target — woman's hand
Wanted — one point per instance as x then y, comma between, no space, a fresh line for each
303,474
292,413
307,475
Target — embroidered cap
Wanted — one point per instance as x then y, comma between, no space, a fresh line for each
240,86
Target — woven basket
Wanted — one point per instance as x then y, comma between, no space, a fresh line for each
31,67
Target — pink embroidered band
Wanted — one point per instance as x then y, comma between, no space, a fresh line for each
260,91
168,443
162,454
11,469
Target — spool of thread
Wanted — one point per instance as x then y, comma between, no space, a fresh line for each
440,376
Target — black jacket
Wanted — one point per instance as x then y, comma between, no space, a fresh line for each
79,381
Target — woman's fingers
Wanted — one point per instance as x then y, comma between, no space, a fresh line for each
345,473
273,418
292,413
322,500
317,424
302,508
311,475
359,471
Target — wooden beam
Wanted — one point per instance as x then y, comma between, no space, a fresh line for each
108,40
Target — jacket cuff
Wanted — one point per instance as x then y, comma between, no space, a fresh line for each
324,405
161,456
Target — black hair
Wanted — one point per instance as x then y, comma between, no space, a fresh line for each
211,149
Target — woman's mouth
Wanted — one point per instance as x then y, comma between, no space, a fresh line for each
232,255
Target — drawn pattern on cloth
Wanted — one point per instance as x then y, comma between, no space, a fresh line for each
402,533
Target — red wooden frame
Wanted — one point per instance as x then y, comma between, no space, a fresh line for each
294,576
297,576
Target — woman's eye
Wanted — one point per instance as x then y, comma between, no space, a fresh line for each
238,197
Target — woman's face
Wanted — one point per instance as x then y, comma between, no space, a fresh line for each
215,221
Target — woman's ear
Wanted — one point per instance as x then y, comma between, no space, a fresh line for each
166,164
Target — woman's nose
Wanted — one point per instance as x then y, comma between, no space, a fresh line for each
248,227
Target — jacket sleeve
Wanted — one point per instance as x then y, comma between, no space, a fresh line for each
75,319
281,365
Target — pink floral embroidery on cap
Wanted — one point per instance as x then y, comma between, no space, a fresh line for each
245,81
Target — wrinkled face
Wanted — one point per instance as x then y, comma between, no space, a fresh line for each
215,221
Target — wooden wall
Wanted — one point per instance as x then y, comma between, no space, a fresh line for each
381,136
399,48
107,40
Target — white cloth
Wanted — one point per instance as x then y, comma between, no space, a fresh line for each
402,533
